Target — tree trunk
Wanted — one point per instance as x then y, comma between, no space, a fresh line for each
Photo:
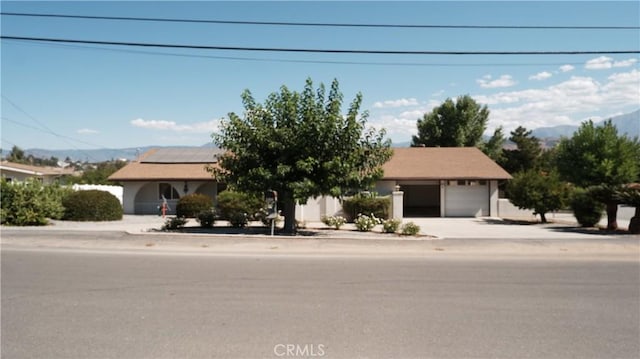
612,215
634,224
289,213
543,217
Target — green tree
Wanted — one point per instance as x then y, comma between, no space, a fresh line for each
300,145
539,191
598,156
526,154
630,195
494,146
16,155
458,123
99,174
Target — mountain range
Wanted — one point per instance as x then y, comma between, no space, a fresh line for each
627,124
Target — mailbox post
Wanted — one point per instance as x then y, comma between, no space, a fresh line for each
271,198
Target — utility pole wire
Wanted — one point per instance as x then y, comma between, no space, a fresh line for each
329,51
321,24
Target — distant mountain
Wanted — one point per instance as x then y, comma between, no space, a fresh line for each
627,124
99,155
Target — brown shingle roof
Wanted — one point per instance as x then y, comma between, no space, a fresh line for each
442,163
414,163
145,171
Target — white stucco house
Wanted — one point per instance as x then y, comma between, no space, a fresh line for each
423,182
166,173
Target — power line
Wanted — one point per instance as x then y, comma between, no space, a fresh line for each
321,24
46,129
329,51
280,60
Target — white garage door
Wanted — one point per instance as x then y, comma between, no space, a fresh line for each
466,201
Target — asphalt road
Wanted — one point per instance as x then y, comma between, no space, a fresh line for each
68,304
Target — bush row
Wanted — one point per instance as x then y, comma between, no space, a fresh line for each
31,203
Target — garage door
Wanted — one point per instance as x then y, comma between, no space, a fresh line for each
466,201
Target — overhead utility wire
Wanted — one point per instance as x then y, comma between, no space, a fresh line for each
329,51
263,59
322,24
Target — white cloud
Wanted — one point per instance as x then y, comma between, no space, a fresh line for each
605,62
502,81
87,131
541,76
599,63
567,102
403,102
625,63
199,127
567,68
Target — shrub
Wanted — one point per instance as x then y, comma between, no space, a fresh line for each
238,208
30,202
92,205
410,229
366,223
334,221
174,223
192,204
378,206
586,208
391,225
206,218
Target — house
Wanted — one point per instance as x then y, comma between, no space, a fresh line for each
20,172
423,181
444,181
166,173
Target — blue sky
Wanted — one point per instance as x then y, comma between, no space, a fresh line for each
59,96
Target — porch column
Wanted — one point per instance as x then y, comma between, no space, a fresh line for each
397,203
129,192
443,198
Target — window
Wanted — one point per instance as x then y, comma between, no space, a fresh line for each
168,191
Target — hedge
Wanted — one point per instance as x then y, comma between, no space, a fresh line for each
92,205
380,207
192,204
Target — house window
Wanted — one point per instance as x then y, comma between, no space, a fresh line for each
168,191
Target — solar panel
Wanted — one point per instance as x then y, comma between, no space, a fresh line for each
184,155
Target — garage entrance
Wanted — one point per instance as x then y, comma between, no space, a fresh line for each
421,200
467,199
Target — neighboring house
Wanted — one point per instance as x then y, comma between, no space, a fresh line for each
166,173
423,181
20,172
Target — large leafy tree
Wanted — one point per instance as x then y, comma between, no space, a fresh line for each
458,123
539,191
300,145
597,157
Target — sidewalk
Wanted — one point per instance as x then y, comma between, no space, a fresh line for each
562,226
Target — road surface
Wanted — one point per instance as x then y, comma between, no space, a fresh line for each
59,303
